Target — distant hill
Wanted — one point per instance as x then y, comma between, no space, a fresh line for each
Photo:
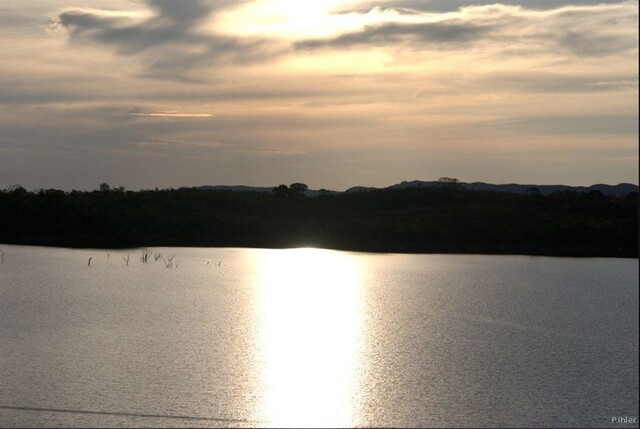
234,188
242,188
620,190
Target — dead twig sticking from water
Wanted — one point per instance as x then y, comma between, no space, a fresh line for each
89,263
1,256
157,256
146,254
168,262
126,260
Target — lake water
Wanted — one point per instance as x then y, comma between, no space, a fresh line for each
306,337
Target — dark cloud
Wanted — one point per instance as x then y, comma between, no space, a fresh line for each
127,39
589,44
186,12
438,33
170,39
452,5
596,30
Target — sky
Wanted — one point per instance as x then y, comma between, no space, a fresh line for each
331,93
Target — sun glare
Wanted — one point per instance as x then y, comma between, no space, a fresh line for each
311,324
294,19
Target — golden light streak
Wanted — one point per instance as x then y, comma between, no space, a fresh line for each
173,115
311,315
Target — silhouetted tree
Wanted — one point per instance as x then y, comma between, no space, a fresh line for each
18,190
449,182
297,190
281,191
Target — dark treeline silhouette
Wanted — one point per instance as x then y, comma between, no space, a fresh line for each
444,219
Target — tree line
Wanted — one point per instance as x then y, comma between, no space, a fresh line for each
447,219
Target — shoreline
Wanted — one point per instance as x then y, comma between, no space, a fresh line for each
427,250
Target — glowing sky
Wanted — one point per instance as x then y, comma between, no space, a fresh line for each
333,93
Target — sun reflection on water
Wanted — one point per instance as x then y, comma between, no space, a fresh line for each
310,310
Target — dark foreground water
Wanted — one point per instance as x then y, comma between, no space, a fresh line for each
239,337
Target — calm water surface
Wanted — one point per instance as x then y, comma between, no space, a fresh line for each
309,337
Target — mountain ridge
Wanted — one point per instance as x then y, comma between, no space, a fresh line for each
619,190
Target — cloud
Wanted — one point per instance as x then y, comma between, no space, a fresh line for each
171,40
172,115
568,125
453,5
13,93
583,30
12,18
169,36
553,83
187,12
433,33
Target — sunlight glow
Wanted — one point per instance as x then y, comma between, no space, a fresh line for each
311,324
275,18
294,19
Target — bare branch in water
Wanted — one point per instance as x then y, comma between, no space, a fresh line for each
169,262
146,254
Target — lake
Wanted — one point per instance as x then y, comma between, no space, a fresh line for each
309,337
